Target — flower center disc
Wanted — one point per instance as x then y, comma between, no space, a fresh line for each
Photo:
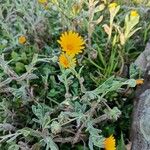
69,47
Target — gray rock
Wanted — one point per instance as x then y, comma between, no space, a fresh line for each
143,61
141,124
140,131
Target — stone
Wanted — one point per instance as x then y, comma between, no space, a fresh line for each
143,61
140,130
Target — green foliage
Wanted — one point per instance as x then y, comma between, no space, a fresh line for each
121,143
44,106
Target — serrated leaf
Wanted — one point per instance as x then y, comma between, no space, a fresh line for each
50,144
13,147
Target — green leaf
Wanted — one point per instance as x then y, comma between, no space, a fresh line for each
41,112
25,132
13,147
134,71
95,137
14,56
113,113
24,57
35,58
19,67
50,144
121,143
90,144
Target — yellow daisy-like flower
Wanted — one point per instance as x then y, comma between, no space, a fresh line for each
42,1
71,43
67,61
22,39
134,13
139,81
112,6
110,143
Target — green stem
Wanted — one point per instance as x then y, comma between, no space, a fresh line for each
80,80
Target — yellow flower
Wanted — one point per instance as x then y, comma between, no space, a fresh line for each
139,81
67,61
110,143
22,39
112,6
134,13
71,43
42,1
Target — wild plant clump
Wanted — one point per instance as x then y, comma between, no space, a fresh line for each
65,76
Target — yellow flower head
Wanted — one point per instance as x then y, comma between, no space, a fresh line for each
71,43
139,81
67,61
112,6
22,39
134,13
42,1
110,143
